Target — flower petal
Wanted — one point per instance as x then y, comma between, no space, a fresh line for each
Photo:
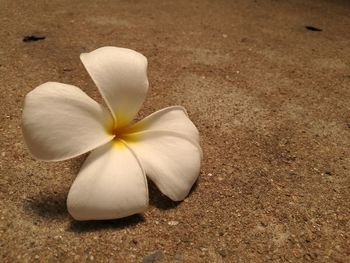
170,160
173,118
60,121
111,184
121,76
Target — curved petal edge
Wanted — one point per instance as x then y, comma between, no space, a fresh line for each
121,77
170,160
111,184
60,121
173,119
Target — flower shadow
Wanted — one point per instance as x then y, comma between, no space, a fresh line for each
159,200
96,225
48,207
53,208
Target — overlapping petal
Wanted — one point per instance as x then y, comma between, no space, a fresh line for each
121,76
111,184
60,122
173,119
170,160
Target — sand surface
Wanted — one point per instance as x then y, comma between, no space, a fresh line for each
270,98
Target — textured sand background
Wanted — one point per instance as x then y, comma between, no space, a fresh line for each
271,101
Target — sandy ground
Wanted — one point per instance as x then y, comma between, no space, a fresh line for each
271,101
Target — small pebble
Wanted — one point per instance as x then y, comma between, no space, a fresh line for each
292,173
312,28
156,256
173,223
224,35
222,253
179,257
34,37
36,256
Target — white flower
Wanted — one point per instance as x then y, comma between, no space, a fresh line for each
60,122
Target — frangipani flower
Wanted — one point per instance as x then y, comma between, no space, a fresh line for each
60,122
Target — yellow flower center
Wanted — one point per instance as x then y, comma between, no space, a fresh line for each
126,133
